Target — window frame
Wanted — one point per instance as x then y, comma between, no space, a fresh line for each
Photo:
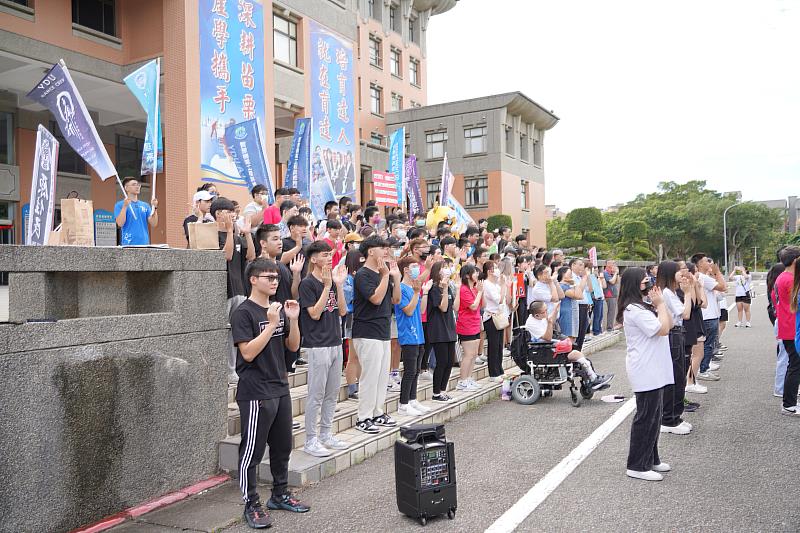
524,195
395,97
276,32
414,72
75,8
394,25
413,36
136,153
65,151
476,185
430,195
10,153
524,148
430,143
396,62
537,153
469,139
374,90
376,55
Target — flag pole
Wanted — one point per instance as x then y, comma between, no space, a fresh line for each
156,122
124,193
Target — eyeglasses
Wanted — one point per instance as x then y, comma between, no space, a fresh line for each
270,277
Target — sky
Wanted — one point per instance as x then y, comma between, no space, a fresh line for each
645,91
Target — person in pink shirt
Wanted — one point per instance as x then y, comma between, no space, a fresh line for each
272,214
468,325
782,295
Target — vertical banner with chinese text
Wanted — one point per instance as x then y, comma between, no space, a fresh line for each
231,80
43,188
447,182
297,168
333,142
244,143
397,160
412,187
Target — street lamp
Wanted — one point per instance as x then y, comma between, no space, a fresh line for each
725,233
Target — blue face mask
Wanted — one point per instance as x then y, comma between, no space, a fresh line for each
414,272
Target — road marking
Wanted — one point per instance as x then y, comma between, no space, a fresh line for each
518,512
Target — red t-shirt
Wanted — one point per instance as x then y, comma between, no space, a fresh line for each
337,251
469,321
272,214
521,292
782,294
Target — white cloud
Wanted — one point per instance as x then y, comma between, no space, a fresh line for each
645,91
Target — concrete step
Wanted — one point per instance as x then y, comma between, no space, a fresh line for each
296,379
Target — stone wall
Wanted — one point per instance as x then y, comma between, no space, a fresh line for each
113,379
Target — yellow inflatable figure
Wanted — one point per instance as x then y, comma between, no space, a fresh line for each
438,214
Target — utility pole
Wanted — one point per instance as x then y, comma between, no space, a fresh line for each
755,258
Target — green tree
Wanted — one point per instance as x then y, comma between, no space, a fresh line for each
751,225
584,221
497,221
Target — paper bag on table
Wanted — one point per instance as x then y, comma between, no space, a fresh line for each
203,236
77,222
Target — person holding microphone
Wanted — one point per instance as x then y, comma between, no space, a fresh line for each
647,322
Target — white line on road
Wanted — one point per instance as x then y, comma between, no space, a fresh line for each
509,520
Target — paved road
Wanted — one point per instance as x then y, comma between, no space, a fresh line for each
735,472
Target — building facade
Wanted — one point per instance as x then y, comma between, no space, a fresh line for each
102,41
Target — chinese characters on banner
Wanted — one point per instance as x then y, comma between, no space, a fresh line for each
43,188
412,186
333,141
447,182
245,143
231,81
397,149
297,170
385,188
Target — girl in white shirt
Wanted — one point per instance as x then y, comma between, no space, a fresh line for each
744,280
649,367
495,292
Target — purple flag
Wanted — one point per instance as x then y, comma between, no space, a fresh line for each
412,187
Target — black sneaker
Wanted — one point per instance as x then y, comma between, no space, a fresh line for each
256,516
301,362
353,396
384,420
366,426
602,382
287,502
443,398
296,425
716,359
689,408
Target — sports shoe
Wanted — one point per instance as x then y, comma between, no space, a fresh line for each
722,347
737,325
366,426
426,375
696,388
442,398
384,420
791,411
256,516
473,385
419,407
314,447
506,352
287,502
296,425
496,379
300,362
332,443
686,424
707,376
718,356
480,359
601,381
408,410
680,429
777,395
393,386
462,385
662,467
394,375
690,407
713,366
747,325
352,396
649,475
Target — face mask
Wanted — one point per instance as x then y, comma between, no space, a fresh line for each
397,252
376,220
414,271
401,234
446,273
647,286
420,223
495,272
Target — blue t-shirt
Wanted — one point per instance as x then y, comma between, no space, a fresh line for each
409,328
135,230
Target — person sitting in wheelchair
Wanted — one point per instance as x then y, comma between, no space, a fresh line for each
540,327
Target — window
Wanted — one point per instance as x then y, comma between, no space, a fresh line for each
397,102
6,138
284,40
475,140
68,159
412,30
413,71
432,189
97,15
509,141
375,58
394,19
523,147
394,62
408,144
524,193
20,2
375,99
537,153
129,156
374,8
376,138
436,143
476,192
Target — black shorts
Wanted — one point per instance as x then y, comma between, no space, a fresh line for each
723,315
743,299
467,338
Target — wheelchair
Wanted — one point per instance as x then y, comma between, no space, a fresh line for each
545,368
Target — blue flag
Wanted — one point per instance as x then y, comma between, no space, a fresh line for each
397,161
244,144
298,166
57,92
144,84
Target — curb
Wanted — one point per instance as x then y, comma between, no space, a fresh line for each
152,505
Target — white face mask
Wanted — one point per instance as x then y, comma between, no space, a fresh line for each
401,234
446,273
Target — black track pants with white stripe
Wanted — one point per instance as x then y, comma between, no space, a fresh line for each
265,422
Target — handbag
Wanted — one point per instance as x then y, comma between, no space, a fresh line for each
500,318
77,222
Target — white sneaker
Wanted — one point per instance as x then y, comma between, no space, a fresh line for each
777,395
687,424
496,379
714,366
393,386
790,411
737,325
419,407
408,410
395,376
649,475
480,359
696,388
506,352
426,375
332,443
473,385
680,429
747,325
314,447
462,385
707,376
662,467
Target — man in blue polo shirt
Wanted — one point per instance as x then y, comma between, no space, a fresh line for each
133,216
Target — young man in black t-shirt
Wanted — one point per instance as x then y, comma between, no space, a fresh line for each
376,289
237,252
262,330
322,304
